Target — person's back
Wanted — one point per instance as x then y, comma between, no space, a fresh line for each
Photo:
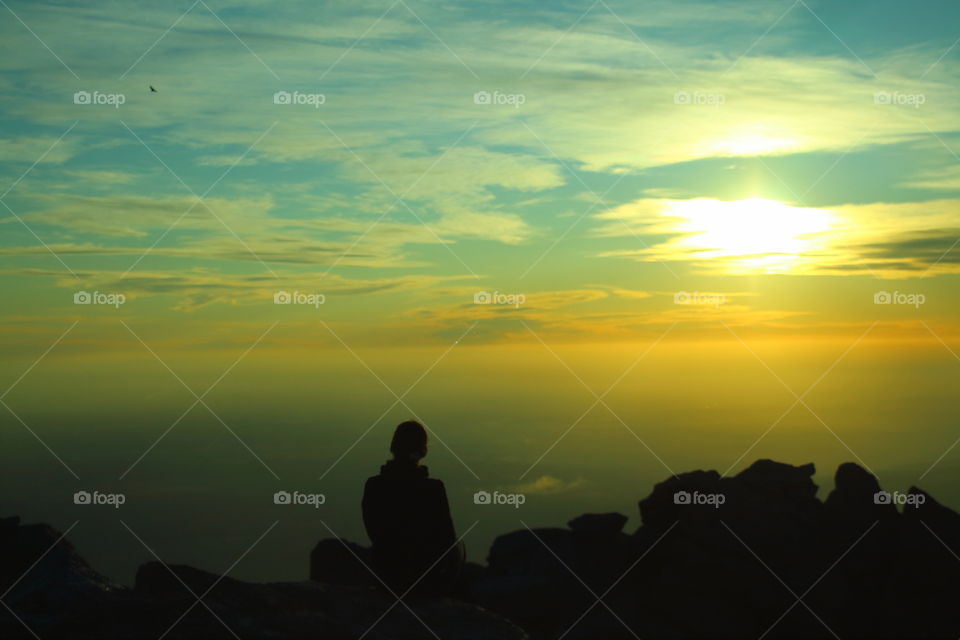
407,518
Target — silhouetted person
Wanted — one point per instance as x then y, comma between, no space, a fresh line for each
408,520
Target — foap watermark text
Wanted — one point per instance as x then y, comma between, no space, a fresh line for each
99,98
495,297
699,298
99,297
912,499
314,100
899,297
499,98
696,498
297,498
897,98
485,497
299,297
115,500
699,98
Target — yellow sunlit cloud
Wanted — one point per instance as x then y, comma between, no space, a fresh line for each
753,140
756,235
752,234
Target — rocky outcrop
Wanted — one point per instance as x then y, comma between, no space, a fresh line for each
925,571
753,555
45,581
62,598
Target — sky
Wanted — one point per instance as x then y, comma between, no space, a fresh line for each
588,244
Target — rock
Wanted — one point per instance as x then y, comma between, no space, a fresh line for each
63,598
867,535
926,571
598,525
46,581
711,542
339,561
529,579
854,497
662,508
772,512
771,503
473,572
294,610
922,508
779,480
601,548
8,526
532,552
39,565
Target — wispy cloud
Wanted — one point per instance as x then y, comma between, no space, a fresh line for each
547,485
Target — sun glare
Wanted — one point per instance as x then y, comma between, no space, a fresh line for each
753,140
752,234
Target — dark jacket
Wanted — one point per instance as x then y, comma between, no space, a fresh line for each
408,521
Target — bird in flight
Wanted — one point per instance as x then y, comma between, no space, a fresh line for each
152,89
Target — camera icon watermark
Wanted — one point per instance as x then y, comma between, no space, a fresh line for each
696,498
115,500
495,297
699,98
297,297
314,100
297,498
898,297
513,499
912,499
699,298
100,298
96,97
498,98
897,98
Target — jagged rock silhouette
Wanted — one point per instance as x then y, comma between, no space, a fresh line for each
767,560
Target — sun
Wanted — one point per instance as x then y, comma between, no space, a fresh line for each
754,234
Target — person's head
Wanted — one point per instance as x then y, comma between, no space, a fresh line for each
409,441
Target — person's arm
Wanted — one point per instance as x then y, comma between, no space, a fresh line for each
372,512
447,533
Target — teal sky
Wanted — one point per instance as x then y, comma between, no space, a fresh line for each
303,194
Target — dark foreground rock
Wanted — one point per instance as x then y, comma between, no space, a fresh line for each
749,556
63,598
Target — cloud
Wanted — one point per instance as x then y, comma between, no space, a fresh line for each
139,215
760,236
198,288
630,294
462,169
106,178
225,161
917,250
251,228
42,148
941,178
547,485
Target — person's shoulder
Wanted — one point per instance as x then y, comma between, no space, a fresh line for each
435,484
